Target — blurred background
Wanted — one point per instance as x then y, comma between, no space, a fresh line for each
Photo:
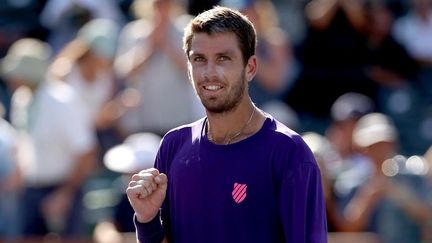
89,87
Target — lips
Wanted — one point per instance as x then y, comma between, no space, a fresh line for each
212,87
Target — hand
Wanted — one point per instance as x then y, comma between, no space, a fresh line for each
146,193
159,36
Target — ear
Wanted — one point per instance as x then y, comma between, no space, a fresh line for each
251,68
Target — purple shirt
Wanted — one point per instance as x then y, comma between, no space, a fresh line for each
266,188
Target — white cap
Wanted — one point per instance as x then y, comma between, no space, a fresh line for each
137,152
27,59
101,36
374,128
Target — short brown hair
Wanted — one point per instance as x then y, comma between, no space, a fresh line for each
223,20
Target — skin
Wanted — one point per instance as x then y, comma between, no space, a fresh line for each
220,76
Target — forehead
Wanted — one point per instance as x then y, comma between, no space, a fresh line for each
203,43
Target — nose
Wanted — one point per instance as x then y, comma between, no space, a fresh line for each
209,71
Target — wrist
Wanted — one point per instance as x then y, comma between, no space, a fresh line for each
151,231
144,220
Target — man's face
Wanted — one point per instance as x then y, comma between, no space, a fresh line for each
218,72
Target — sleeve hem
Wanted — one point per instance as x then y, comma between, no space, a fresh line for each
149,232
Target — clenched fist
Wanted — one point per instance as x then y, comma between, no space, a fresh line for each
146,192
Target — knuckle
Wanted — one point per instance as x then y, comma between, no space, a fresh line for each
132,183
135,177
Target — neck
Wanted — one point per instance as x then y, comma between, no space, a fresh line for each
227,128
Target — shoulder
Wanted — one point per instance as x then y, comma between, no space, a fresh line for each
287,140
187,132
280,132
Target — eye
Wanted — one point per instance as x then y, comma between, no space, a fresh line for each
224,58
198,59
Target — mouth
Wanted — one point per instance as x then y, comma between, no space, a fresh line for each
212,87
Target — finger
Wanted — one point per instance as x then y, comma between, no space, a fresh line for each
143,176
150,186
136,191
146,190
152,171
132,183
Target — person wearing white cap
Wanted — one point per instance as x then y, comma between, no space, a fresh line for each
86,64
56,145
391,200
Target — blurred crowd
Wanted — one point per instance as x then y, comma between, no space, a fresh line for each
89,87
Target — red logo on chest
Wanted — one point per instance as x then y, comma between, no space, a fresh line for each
239,192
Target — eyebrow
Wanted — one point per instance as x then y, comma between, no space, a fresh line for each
226,53
223,53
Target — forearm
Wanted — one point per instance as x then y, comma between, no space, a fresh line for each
321,12
358,212
133,60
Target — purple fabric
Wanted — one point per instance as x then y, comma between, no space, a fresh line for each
149,232
266,188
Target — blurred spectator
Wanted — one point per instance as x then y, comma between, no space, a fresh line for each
397,73
351,167
10,180
345,112
390,63
414,31
391,200
137,152
274,53
337,154
152,62
17,20
332,58
65,17
56,152
86,64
